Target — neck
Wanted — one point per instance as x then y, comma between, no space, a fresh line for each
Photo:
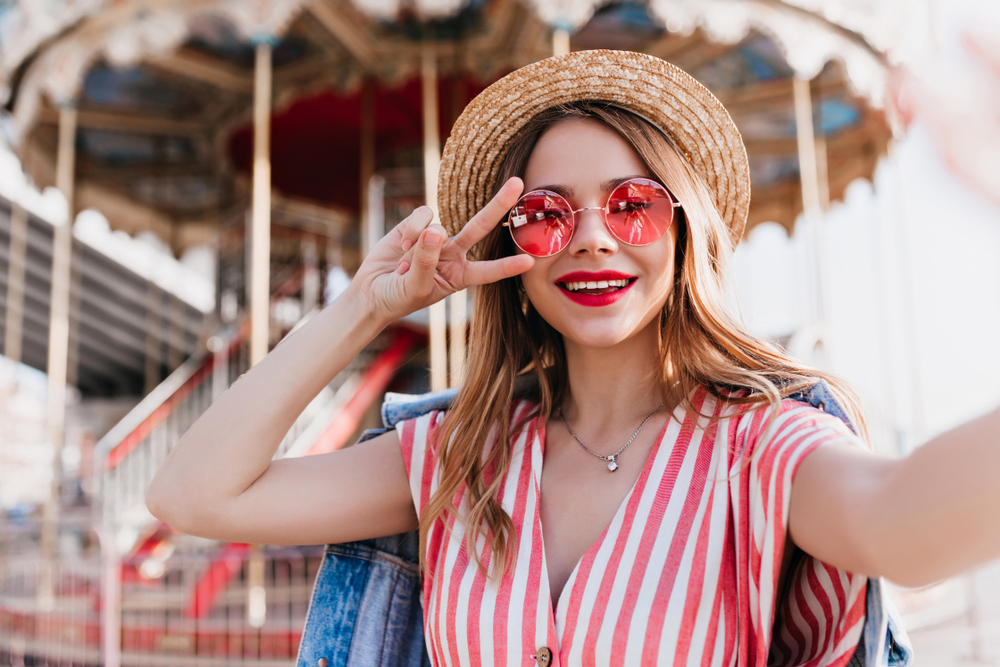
610,388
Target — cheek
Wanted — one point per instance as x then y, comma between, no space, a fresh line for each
535,283
660,271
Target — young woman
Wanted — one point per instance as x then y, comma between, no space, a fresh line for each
623,479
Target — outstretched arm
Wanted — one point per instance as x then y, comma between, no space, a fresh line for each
913,520
220,481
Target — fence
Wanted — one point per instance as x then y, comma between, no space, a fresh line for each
183,601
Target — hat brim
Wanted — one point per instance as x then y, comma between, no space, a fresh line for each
657,91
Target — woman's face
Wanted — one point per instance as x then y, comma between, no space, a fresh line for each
584,160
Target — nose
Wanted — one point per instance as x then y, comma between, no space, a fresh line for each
592,234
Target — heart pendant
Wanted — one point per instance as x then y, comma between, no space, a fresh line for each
612,466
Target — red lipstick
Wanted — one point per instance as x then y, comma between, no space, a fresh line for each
594,300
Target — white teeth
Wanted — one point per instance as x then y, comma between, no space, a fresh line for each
595,284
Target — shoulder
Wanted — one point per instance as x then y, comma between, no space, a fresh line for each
787,433
750,426
421,418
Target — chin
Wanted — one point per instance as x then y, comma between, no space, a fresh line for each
598,332
598,340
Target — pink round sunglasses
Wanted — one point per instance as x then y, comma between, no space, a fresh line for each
638,212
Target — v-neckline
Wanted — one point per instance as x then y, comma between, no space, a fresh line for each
537,461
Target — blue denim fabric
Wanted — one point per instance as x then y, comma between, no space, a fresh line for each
366,610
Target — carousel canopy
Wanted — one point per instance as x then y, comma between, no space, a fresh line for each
164,88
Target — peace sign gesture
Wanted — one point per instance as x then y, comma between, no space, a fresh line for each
417,264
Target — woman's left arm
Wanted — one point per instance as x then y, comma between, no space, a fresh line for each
913,520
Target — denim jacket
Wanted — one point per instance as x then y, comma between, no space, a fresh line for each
366,608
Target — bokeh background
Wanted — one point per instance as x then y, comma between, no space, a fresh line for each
183,183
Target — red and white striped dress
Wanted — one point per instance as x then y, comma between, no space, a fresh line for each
685,574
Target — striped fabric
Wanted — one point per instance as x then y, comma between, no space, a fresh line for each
685,574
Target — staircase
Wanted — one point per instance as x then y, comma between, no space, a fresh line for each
128,457
154,596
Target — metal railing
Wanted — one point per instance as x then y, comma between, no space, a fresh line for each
183,602
132,541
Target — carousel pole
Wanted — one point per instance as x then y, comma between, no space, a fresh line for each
154,341
73,350
458,301
62,249
175,335
260,225
560,40
811,201
260,275
370,235
310,273
432,159
13,332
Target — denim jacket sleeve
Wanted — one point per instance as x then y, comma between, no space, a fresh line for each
365,609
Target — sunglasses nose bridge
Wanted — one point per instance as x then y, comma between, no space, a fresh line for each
602,209
597,235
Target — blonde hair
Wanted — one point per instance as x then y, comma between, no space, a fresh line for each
701,344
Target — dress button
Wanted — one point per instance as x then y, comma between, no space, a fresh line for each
321,662
543,658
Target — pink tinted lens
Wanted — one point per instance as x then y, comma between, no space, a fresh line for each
541,223
640,211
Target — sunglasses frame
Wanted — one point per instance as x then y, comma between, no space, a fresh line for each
674,203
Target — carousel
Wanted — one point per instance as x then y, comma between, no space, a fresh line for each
286,137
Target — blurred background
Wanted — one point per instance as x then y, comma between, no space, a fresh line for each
184,182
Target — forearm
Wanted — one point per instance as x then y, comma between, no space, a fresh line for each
233,443
940,507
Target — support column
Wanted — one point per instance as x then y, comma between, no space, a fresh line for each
370,234
806,137
560,40
13,333
459,319
111,599
154,337
458,302
62,247
175,336
310,273
73,349
812,209
260,235
260,276
256,593
432,160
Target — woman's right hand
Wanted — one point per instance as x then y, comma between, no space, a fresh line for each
417,264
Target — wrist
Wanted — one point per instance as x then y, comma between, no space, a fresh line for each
360,312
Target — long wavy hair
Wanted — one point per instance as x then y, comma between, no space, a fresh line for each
518,354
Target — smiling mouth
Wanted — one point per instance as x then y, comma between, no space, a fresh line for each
596,286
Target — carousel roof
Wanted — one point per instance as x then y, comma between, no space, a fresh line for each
163,88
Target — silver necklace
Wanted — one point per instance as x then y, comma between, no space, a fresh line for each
612,459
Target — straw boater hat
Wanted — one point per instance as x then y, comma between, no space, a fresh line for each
657,91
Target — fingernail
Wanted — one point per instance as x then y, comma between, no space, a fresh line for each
432,239
403,267
407,244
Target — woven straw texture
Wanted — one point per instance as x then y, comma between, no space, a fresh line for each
654,89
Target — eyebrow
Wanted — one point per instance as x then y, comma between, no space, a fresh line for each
606,186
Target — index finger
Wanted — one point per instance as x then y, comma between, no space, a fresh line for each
482,223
